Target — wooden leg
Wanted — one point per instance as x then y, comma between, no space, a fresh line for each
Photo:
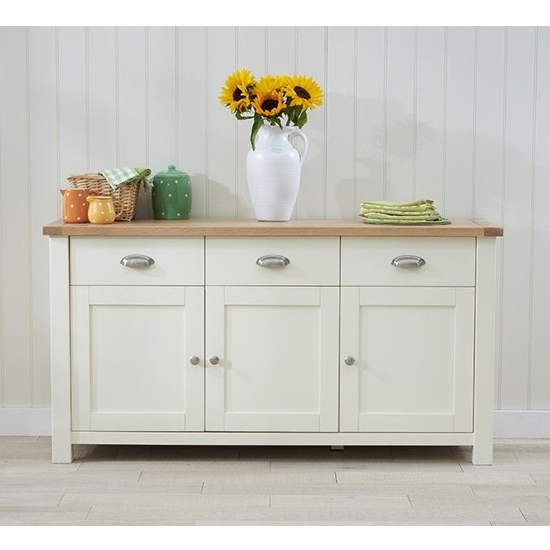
482,452
62,451
60,350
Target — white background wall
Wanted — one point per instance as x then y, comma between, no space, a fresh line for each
458,114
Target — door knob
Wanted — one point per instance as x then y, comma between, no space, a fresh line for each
194,360
214,360
349,360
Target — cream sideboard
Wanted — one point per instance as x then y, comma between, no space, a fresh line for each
312,332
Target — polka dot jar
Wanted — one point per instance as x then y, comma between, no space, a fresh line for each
75,205
171,195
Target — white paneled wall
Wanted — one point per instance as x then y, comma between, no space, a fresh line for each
458,114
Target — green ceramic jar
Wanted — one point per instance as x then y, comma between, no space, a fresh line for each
171,195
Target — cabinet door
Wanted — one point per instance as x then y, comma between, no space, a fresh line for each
130,358
413,351
278,358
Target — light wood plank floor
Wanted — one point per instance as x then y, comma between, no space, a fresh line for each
148,485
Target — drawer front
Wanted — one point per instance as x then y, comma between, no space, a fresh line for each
448,261
235,261
97,261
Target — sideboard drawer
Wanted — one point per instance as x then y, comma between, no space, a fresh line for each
237,261
448,261
97,261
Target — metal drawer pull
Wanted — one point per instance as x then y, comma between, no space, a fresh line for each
408,260
194,360
214,360
137,260
272,260
349,360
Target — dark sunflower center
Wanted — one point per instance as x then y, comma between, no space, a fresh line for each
269,105
237,95
302,92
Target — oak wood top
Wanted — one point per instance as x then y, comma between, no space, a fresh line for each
207,227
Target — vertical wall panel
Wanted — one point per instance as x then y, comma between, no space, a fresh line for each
162,111
192,108
400,86
489,123
132,104
281,50
16,376
221,126
369,171
515,385
540,321
341,123
430,92
73,102
311,61
460,120
489,147
44,181
102,98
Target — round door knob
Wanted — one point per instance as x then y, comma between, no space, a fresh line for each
214,360
194,360
349,360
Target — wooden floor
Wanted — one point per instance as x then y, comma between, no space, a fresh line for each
131,485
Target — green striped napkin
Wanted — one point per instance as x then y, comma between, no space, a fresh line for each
123,176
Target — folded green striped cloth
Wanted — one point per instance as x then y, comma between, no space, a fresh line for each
124,176
421,212
441,221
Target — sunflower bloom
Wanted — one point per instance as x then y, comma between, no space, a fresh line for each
304,92
269,103
237,94
272,82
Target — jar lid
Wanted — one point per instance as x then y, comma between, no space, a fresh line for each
171,172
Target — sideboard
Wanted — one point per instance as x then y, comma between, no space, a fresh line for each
238,332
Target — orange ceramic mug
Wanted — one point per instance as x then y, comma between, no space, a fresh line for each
103,209
75,205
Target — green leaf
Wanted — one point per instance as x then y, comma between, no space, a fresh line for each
257,124
302,119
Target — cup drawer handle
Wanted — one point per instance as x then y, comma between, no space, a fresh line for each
408,260
272,260
137,261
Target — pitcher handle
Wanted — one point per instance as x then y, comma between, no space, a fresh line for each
119,207
302,150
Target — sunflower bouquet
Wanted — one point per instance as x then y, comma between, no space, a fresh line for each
270,99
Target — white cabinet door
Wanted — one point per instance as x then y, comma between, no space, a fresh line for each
413,351
130,355
278,352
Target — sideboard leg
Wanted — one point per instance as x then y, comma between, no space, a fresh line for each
60,353
482,453
484,385
62,452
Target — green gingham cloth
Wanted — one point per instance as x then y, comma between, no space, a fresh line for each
123,176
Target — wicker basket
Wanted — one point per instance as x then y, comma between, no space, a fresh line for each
126,194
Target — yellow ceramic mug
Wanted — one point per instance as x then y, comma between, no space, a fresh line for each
103,209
